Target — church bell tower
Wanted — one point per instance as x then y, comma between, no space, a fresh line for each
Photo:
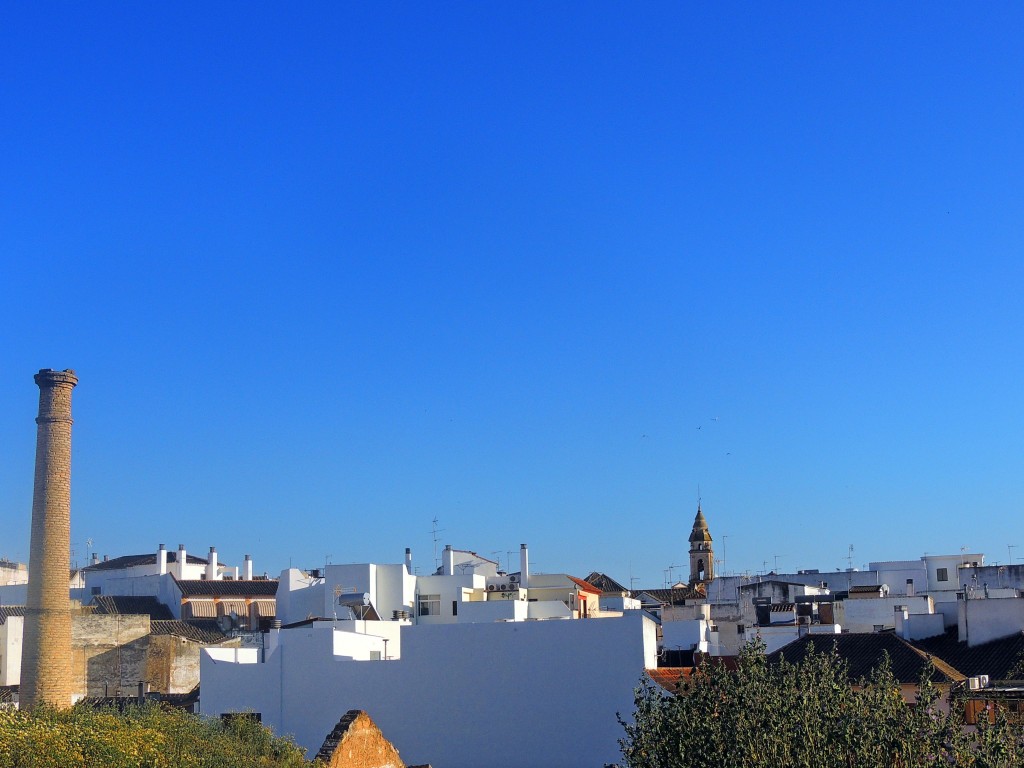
702,557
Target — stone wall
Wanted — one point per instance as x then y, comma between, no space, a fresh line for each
356,742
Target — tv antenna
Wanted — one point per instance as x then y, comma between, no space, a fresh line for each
434,530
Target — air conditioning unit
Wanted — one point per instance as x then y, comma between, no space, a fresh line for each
983,680
514,578
974,683
504,587
491,587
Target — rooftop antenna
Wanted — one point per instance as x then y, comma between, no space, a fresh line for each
434,531
849,557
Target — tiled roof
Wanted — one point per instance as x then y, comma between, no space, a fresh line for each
670,678
676,596
863,651
585,586
128,561
149,606
227,588
865,589
995,659
11,610
605,583
782,607
202,631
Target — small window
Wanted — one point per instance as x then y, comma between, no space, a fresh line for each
97,590
430,605
455,607
941,574
740,629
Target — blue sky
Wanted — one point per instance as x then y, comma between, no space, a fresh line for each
539,270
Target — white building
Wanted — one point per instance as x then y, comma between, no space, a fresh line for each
464,667
508,694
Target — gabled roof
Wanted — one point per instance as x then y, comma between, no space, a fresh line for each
124,604
202,631
227,588
585,586
130,561
863,651
995,659
676,596
606,584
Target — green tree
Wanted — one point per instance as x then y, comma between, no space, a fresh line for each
807,715
150,736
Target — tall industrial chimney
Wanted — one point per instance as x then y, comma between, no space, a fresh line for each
46,652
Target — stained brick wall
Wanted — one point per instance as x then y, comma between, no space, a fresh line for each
356,742
46,658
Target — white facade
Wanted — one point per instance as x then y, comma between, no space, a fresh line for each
529,694
985,619
873,614
11,632
13,573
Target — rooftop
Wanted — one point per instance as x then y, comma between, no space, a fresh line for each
227,588
126,604
864,652
131,561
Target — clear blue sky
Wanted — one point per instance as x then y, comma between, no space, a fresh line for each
329,271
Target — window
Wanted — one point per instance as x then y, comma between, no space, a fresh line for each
455,607
941,574
96,590
430,605
740,629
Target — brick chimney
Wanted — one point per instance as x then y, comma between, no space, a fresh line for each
46,652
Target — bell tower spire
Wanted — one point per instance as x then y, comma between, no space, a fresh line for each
702,556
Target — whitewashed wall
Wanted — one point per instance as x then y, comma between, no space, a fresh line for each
506,695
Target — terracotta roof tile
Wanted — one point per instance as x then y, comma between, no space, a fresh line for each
670,678
227,588
125,604
864,651
201,631
585,586
995,659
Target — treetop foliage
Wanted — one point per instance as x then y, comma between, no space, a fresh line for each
150,736
807,715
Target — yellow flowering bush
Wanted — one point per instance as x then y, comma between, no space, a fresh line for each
150,736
